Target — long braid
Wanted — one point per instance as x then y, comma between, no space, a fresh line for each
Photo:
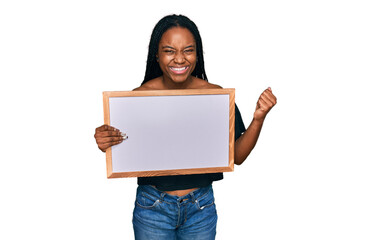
153,69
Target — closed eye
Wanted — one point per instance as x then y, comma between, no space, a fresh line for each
169,51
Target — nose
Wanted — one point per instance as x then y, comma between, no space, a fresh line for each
179,57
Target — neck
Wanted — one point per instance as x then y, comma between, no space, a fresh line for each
168,84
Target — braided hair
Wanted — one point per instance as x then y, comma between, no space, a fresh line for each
153,68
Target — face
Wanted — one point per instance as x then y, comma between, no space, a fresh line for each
177,54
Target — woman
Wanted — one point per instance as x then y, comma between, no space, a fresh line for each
181,207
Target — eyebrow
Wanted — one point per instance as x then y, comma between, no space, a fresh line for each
190,46
174,48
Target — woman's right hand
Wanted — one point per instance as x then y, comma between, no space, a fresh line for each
107,136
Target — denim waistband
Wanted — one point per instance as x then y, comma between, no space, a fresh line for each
163,196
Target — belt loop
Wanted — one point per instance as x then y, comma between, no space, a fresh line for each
162,196
192,197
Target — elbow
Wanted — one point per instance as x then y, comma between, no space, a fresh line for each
240,158
238,161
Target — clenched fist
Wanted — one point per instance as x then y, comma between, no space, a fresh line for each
107,136
265,103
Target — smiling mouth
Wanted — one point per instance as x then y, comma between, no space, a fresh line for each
179,70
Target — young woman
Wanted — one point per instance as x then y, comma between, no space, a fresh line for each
181,207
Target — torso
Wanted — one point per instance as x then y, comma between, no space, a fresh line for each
157,84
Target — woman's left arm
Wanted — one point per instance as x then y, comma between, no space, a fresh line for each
246,143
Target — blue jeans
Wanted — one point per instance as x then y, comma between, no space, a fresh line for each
158,215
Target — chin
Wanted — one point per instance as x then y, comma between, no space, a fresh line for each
179,79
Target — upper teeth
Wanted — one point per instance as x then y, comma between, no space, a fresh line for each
178,69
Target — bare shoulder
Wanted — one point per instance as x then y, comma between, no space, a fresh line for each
141,88
154,84
202,84
215,86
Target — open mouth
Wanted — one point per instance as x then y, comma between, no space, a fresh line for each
180,70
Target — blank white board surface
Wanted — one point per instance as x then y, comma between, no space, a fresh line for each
171,132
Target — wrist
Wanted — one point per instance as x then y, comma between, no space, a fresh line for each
258,121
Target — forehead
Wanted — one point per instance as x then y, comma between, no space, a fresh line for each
177,35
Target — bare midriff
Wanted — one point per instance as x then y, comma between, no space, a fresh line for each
180,193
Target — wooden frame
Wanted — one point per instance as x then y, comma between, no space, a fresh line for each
112,100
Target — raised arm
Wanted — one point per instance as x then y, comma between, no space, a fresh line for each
246,143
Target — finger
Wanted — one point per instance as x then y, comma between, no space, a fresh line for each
101,128
275,98
263,105
271,93
109,139
103,147
109,134
105,127
269,98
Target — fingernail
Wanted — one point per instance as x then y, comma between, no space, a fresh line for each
125,137
123,134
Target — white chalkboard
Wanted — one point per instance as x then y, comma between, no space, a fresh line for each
171,132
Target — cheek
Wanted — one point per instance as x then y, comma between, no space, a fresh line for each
193,61
163,66
164,59
161,61
192,58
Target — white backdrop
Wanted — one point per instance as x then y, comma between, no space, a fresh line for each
309,175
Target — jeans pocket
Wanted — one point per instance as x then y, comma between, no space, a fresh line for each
146,201
205,202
